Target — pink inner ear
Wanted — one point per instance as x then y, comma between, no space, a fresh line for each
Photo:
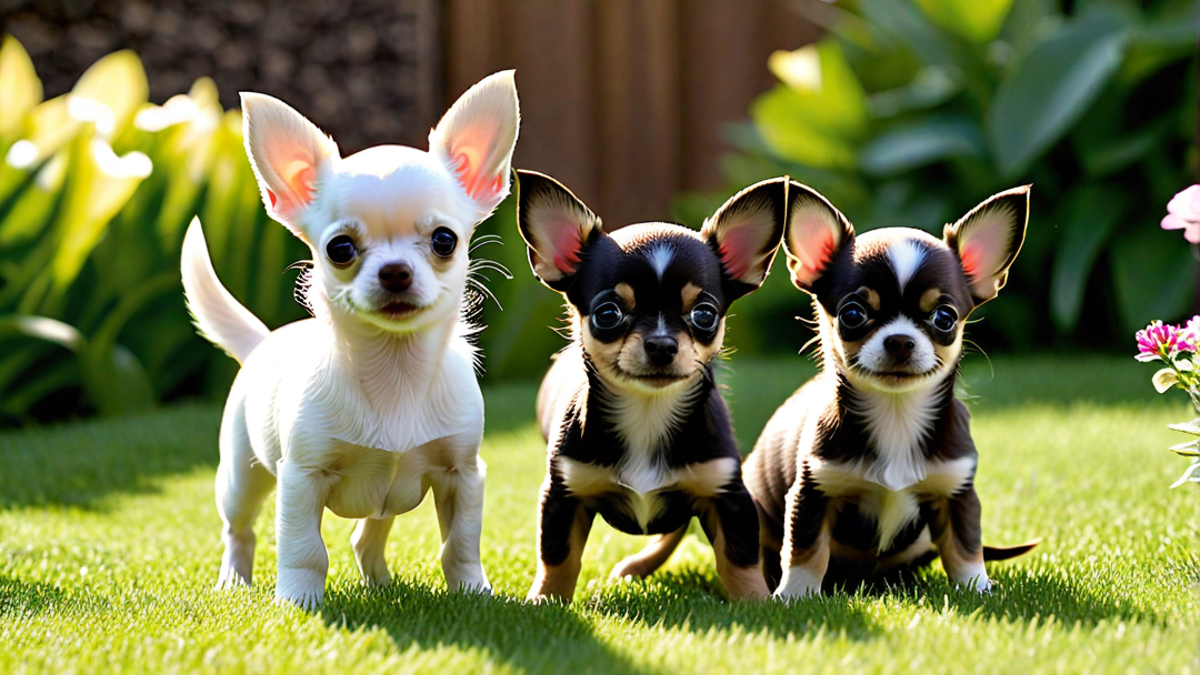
814,242
467,161
984,247
739,250
563,235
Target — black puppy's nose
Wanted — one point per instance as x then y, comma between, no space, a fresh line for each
661,349
395,277
899,347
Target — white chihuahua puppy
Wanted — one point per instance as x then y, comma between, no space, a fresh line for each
374,400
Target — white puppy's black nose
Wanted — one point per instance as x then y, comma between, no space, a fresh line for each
661,349
899,347
395,277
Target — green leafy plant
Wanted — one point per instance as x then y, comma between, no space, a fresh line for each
96,189
909,111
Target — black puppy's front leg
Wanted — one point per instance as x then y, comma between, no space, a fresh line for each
731,523
805,554
957,533
563,527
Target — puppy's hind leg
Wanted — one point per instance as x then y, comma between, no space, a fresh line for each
242,484
369,540
458,496
646,561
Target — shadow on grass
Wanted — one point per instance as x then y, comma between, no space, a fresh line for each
81,464
1020,595
532,638
693,600
21,598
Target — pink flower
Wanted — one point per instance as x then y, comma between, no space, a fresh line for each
1191,335
1183,213
1159,341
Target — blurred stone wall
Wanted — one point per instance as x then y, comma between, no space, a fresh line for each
367,71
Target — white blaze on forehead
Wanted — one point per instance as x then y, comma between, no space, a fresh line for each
906,257
660,258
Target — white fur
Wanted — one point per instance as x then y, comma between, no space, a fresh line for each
221,319
660,256
892,507
353,410
644,421
874,357
897,425
701,479
905,257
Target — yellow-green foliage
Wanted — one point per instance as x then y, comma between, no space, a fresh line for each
96,188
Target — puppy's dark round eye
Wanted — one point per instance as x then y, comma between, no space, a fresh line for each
852,315
944,318
607,316
704,316
443,242
341,250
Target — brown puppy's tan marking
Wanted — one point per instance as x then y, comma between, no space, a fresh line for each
742,582
625,291
558,581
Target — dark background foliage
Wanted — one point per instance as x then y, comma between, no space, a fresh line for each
905,113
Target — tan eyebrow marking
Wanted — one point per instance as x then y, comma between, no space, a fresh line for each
930,298
871,296
690,293
625,291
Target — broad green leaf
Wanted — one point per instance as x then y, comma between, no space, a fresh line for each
20,88
43,328
1052,87
914,145
819,119
99,185
904,21
116,383
976,20
110,93
1168,36
1154,277
931,87
1164,379
31,211
1091,216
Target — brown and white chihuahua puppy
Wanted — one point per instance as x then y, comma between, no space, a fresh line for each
870,466
636,428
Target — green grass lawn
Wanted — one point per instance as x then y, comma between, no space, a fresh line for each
109,549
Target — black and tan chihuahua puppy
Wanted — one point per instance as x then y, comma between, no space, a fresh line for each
636,429
870,466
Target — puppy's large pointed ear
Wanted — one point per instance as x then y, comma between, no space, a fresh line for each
289,156
816,231
556,227
745,232
475,139
988,239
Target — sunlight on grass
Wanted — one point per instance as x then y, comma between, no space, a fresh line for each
109,548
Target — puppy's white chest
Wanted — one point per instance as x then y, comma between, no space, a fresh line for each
891,509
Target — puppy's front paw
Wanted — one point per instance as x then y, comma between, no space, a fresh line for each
782,594
797,583
230,578
300,587
981,584
476,582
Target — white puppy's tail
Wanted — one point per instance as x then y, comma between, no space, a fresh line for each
219,317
